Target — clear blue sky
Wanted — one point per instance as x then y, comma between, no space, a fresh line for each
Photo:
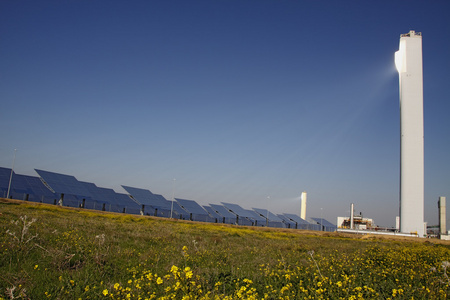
237,100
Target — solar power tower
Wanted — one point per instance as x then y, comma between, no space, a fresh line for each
408,60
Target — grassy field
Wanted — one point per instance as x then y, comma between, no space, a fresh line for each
62,253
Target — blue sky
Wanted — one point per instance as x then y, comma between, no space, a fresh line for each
249,102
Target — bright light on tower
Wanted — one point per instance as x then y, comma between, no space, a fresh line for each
400,58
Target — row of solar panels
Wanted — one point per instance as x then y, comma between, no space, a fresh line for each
55,188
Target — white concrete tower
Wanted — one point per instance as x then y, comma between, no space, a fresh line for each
442,216
303,206
408,60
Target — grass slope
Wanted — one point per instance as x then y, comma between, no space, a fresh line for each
65,253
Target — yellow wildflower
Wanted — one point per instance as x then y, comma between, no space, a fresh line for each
188,272
174,269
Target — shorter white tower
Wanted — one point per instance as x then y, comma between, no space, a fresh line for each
352,219
442,216
303,206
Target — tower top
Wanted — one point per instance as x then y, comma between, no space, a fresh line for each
411,33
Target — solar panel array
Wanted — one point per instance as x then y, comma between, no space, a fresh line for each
36,191
154,204
56,188
64,184
227,216
271,219
287,222
244,216
4,181
217,218
300,223
195,211
326,226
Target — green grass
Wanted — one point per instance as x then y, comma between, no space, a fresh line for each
79,254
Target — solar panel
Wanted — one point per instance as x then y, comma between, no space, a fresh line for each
289,223
108,199
301,223
179,211
21,188
236,209
160,201
267,214
296,219
244,216
271,219
126,204
95,192
158,205
110,196
166,207
191,206
195,211
226,216
255,216
18,189
5,174
142,196
222,210
40,193
212,212
64,184
49,185
323,222
24,187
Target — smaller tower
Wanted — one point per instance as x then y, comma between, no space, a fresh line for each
352,220
303,206
442,216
